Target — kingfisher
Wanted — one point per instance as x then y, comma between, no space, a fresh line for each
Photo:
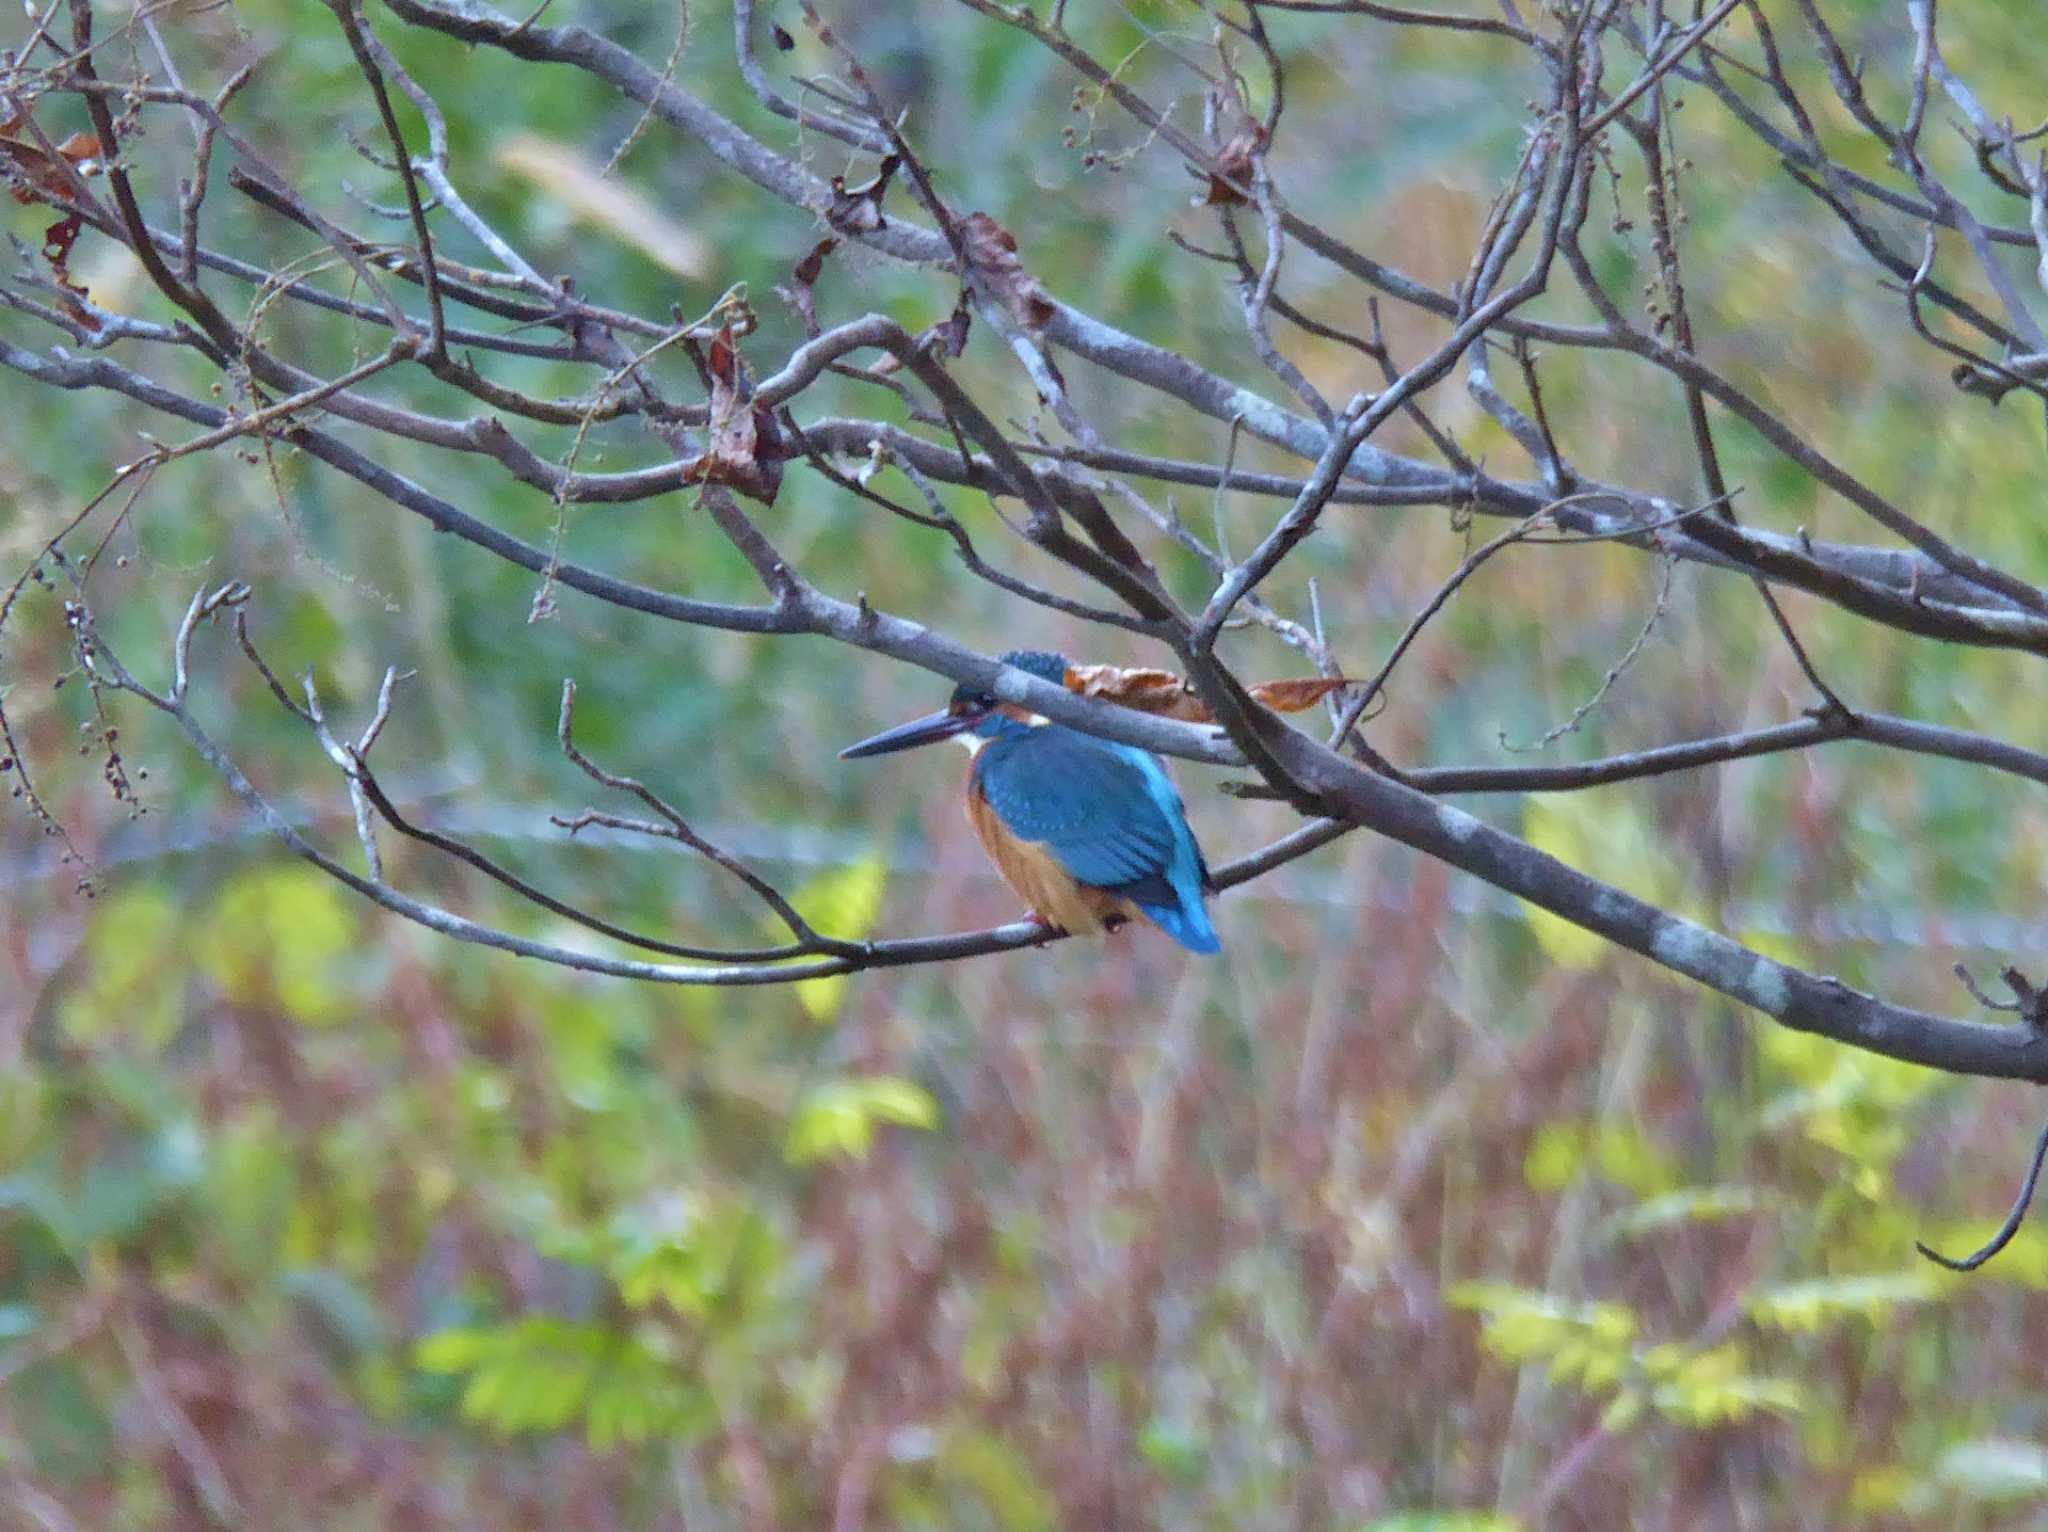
1089,832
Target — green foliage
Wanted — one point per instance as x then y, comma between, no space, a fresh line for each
999,1477
1850,1112
720,1257
1585,1342
841,902
136,1176
127,950
283,930
1560,1152
1606,835
1597,1348
1694,1204
1713,1386
1175,1448
1829,1300
1854,1104
71,1429
839,1117
541,1374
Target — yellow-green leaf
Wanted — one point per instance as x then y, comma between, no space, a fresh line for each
1552,827
1811,1305
839,1117
842,902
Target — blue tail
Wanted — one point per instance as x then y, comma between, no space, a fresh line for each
1187,923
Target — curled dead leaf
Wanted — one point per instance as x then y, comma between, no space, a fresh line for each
83,151
801,295
1234,166
858,209
37,177
992,253
949,335
810,266
1170,696
58,239
746,448
1149,691
1298,695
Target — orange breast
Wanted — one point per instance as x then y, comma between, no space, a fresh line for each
1043,884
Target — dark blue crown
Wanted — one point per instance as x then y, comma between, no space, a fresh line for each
1042,663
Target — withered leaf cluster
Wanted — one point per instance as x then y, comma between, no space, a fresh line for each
1164,693
36,176
746,448
992,255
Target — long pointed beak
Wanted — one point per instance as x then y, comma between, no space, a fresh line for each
905,736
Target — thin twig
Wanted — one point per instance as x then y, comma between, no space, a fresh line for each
2006,1230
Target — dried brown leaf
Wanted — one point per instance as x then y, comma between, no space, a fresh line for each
1298,695
83,150
746,448
801,294
40,178
858,209
58,239
992,252
1149,691
949,335
810,266
722,361
1234,166
1164,693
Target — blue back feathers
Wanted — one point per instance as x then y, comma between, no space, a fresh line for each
1107,813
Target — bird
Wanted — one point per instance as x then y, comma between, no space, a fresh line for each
1089,832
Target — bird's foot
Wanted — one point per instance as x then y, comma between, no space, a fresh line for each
1048,929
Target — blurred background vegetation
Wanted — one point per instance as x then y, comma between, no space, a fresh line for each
1412,1211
